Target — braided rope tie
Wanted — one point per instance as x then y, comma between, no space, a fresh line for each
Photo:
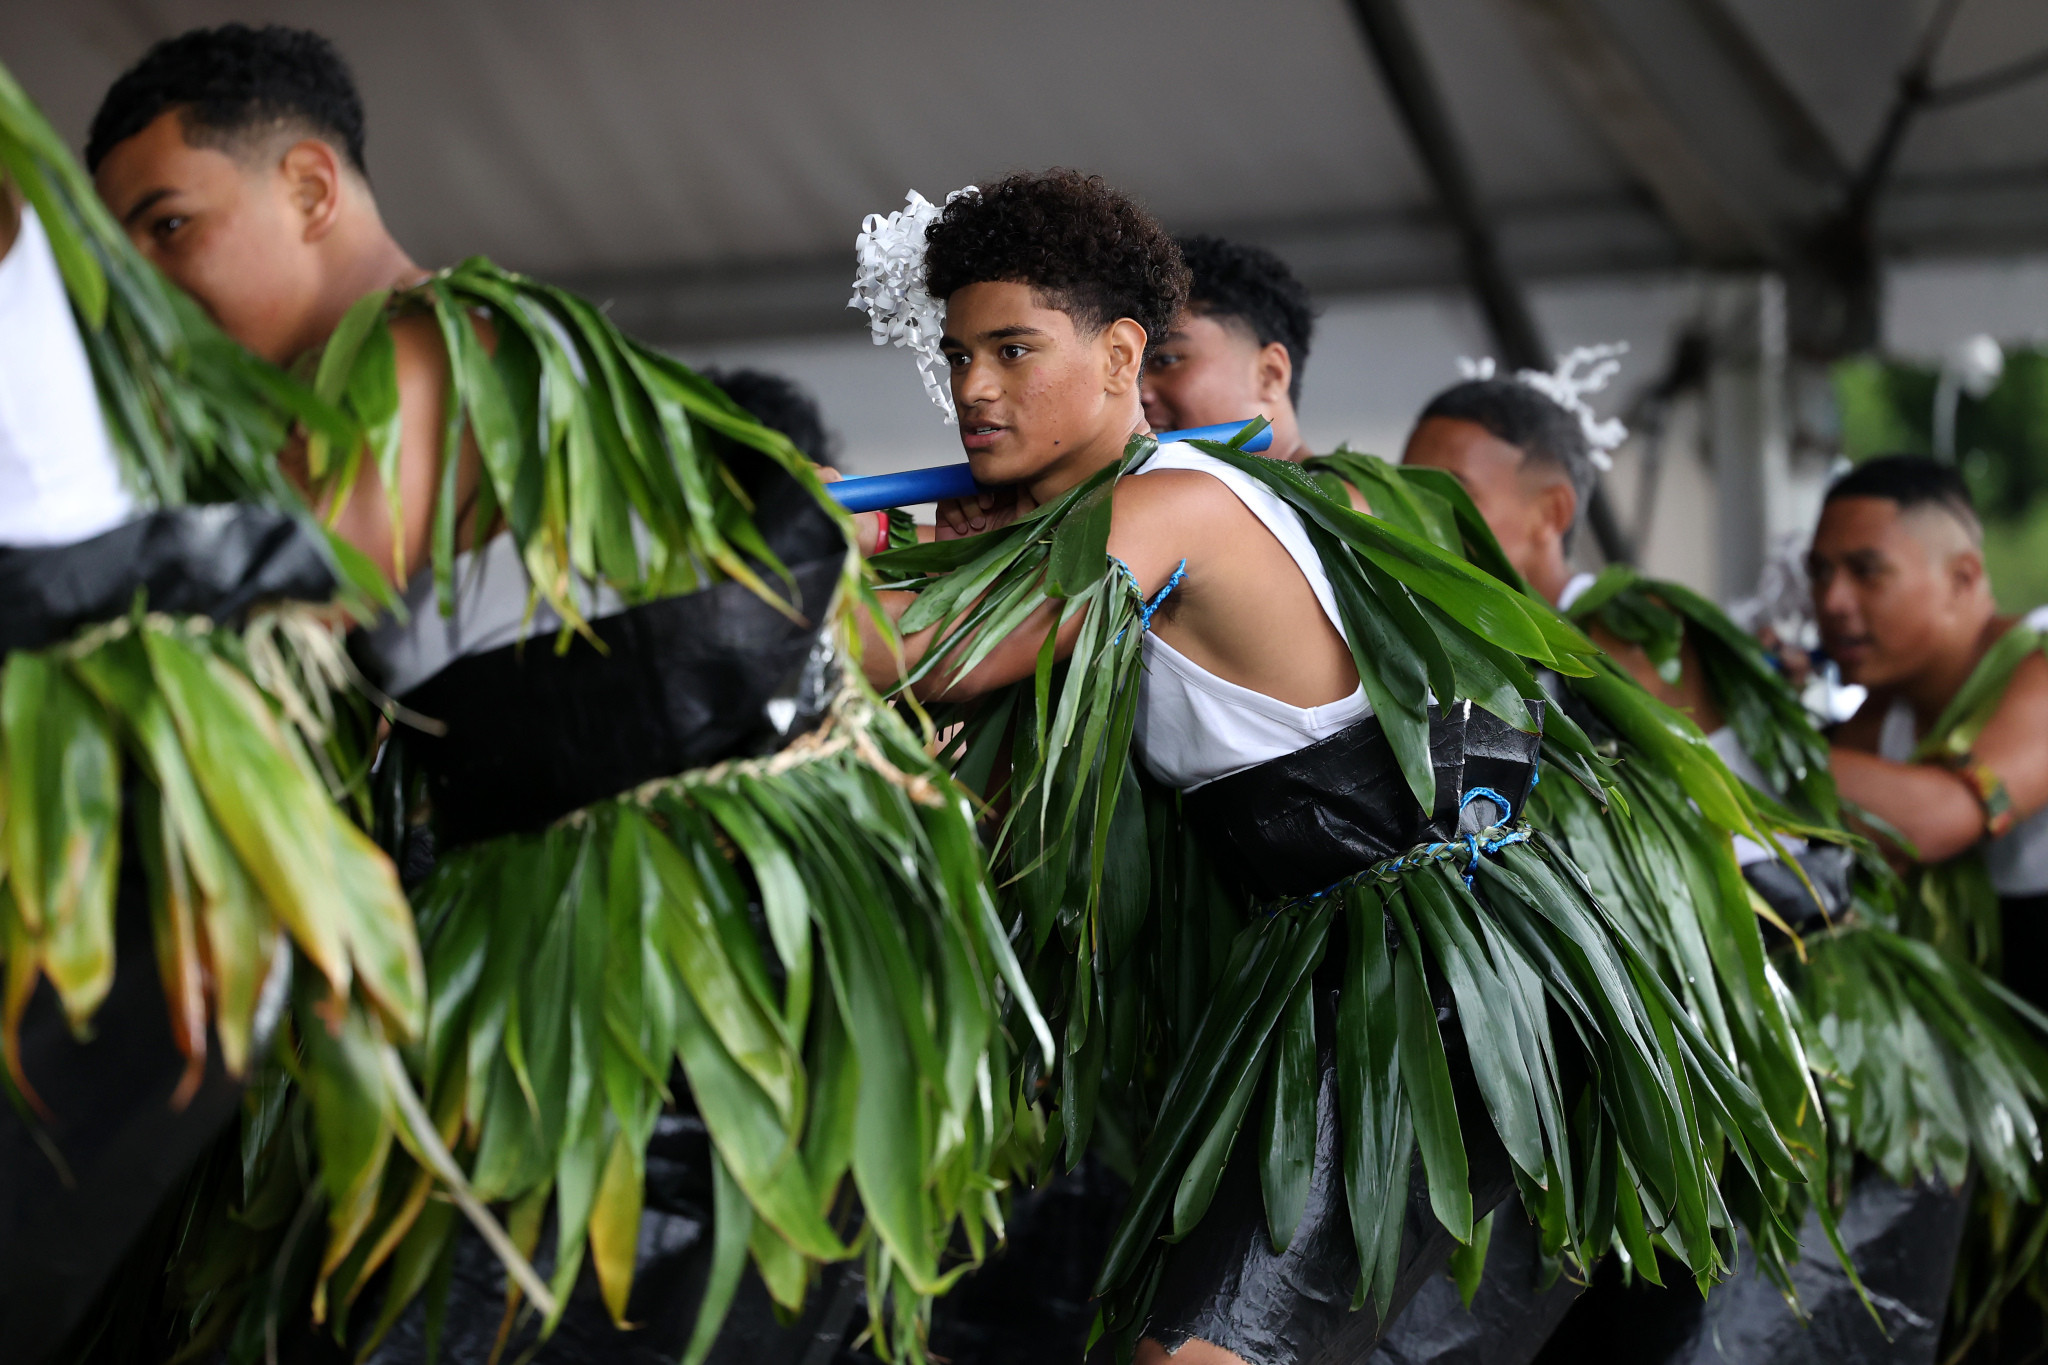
845,727
1492,839
1147,608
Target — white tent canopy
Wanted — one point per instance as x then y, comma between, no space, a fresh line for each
1649,169
705,165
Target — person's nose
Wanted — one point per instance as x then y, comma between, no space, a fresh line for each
1834,600
976,384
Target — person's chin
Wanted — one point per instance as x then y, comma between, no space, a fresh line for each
1860,666
1003,465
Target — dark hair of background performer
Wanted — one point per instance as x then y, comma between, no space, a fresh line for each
780,404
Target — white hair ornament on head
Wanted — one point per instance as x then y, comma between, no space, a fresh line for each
889,284
1567,387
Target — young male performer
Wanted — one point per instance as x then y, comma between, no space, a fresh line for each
234,159
692,627
1237,350
1516,451
1243,588
1527,465
147,965
1951,747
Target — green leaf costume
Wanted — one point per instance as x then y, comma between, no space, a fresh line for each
1924,1065
1143,959
806,936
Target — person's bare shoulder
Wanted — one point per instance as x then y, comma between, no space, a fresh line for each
2026,697
1191,493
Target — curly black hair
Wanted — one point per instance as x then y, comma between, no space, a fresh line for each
1231,280
1085,249
234,83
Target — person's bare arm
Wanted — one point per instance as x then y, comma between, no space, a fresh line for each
365,520
1144,535
1937,808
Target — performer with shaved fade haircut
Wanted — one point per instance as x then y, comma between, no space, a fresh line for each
1950,749
1949,756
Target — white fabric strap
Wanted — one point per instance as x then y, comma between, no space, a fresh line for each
59,481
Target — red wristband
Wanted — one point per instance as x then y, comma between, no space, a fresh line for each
881,531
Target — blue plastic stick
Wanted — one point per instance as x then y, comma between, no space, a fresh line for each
957,480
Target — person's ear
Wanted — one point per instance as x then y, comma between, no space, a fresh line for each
312,178
1560,508
1966,571
1123,353
1275,372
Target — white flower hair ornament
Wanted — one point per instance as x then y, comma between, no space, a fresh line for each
1584,370
889,284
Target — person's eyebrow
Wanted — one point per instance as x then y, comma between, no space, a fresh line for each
1019,330
144,205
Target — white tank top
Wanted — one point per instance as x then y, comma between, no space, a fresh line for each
2017,860
58,478
1194,727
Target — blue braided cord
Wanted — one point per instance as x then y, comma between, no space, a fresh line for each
1492,839
1145,609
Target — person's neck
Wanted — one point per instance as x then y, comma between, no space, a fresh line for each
1086,459
1934,686
365,260
1287,443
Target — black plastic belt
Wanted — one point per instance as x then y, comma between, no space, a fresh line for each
213,561
1294,825
534,733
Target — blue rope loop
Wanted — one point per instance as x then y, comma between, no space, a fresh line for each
1507,807
1158,600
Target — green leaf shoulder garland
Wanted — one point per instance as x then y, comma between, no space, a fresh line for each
1119,947
839,1041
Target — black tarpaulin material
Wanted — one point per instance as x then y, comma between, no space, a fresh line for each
1512,1314
1903,1241
533,732
1827,867
77,1187
1030,1303
1226,1285
214,561
668,1285
1297,824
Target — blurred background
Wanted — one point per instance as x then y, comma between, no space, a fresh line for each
1822,225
